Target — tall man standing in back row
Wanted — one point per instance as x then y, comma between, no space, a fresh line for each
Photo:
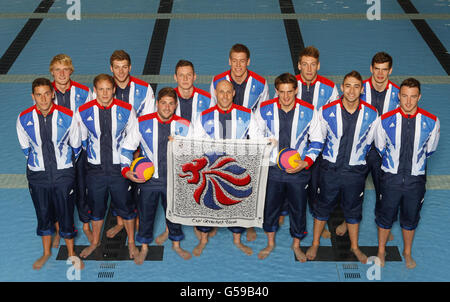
72,95
192,101
381,93
133,91
250,88
317,91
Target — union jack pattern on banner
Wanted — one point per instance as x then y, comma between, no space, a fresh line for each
216,187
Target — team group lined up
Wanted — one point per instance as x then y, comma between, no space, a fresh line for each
79,146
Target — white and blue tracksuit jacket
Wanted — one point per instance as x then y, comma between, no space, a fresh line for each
79,94
328,134
65,137
141,96
305,119
123,117
243,123
256,90
325,91
391,100
388,140
145,134
201,100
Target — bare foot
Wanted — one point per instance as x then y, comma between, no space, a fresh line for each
87,251
55,241
182,253
360,255
251,234
341,229
247,250
265,252
140,257
198,250
212,233
281,220
381,256
326,234
311,253
197,233
41,261
299,254
410,263
391,237
162,238
132,250
87,231
112,232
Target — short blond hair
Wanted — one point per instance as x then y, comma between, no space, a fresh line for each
63,59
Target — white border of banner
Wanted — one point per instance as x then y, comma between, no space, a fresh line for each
221,222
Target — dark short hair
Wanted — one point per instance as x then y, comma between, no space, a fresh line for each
410,82
103,77
167,91
353,74
286,78
41,82
119,55
183,63
309,51
382,57
240,48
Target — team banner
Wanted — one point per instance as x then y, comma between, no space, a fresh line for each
217,182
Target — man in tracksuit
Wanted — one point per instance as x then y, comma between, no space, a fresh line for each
317,91
192,101
381,93
104,123
250,88
226,120
72,95
346,133
133,91
289,120
405,138
152,134
50,139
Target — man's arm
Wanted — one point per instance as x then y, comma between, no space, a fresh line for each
149,102
75,137
317,133
434,138
130,144
23,138
379,137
